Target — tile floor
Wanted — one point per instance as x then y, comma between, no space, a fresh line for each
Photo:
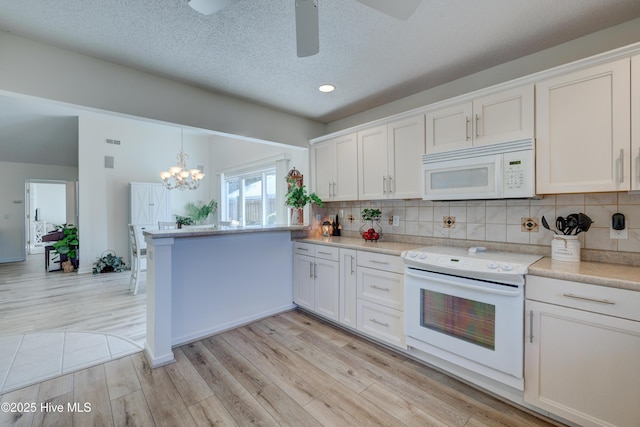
35,357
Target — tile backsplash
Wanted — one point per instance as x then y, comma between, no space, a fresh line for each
500,221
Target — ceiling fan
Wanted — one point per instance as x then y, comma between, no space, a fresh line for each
307,31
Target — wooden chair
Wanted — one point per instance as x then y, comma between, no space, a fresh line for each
138,253
166,225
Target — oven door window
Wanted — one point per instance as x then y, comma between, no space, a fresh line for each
462,318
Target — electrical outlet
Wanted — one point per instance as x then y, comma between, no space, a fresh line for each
619,234
396,220
318,217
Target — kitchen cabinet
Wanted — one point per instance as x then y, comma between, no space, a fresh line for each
148,204
635,123
390,160
581,351
583,130
335,168
317,279
380,297
501,117
348,290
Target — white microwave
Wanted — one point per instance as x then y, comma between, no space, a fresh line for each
498,171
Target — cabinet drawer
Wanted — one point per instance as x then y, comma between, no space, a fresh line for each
301,248
381,287
616,302
382,323
331,253
381,261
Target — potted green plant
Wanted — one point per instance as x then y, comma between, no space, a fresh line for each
183,220
67,247
201,211
108,263
297,198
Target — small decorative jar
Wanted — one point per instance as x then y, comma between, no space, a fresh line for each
565,248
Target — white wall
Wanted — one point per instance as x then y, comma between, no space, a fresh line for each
146,149
51,200
37,69
583,47
12,203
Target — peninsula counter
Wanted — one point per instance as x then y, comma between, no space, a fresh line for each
202,281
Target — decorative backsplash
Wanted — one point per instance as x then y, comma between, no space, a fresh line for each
500,221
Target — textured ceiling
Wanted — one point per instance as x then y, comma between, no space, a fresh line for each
248,49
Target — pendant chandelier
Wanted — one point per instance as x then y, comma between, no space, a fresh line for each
180,176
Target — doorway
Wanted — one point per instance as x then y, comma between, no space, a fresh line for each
49,204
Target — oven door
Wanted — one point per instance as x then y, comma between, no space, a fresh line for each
479,322
470,178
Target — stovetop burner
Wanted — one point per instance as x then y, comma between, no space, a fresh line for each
473,263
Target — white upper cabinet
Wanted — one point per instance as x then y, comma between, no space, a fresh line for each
499,117
390,160
583,130
635,123
335,168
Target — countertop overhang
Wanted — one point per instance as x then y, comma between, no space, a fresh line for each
202,231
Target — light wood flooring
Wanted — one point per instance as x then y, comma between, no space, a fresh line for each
290,369
32,300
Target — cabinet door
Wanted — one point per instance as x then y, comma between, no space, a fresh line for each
503,117
346,168
583,130
405,141
160,207
348,302
303,281
372,166
449,128
582,366
327,288
635,123
323,162
139,212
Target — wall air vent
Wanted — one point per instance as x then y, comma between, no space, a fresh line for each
108,162
113,141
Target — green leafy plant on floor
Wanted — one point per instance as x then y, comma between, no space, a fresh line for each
108,263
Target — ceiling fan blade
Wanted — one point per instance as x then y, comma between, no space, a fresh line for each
400,9
209,7
307,32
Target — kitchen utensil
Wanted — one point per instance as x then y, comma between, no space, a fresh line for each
571,224
561,224
584,222
545,224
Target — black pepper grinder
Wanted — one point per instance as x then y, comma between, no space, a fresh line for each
336,227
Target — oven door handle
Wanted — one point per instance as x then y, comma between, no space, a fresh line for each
465,285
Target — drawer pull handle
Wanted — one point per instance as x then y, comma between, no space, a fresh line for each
302,249
601,301
373,320
380,288
378,262
324,253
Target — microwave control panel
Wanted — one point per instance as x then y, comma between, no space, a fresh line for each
518,174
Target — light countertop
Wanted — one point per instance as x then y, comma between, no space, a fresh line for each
202,231
595,273
381,246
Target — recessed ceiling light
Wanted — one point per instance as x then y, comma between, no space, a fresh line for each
326,88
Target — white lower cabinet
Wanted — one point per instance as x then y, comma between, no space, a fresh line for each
348,283
380,297
316,275
582,352
359,289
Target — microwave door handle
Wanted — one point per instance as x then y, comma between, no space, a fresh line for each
463,285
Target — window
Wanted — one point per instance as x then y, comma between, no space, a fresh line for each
250,198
